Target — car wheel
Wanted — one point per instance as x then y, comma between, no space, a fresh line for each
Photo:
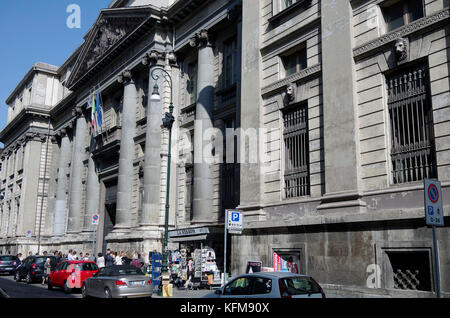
108,293
49,284
84,292
17,277
67,289
28,279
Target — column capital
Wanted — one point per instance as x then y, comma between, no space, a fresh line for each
202,38
77,111
125,78
153,58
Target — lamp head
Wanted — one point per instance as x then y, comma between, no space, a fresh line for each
155,94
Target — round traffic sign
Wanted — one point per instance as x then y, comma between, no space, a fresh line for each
433,193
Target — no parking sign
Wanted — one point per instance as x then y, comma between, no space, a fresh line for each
95,219
434,212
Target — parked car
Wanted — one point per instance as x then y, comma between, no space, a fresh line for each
71,274
270,285
9,263
118,281
32,268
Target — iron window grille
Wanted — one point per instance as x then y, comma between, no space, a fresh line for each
296,152
411,124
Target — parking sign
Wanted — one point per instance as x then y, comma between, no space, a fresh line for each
235,222
434,212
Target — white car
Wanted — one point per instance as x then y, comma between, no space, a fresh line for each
270,285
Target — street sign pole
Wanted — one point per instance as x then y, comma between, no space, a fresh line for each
434,216
436,264
225,249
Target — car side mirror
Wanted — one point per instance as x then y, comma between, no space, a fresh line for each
218,292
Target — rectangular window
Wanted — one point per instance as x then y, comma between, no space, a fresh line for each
230,63
286,3
192,83
411,124
399,13
230,192
295,62
296,152
410,270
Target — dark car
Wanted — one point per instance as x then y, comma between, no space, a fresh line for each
9,263
32,268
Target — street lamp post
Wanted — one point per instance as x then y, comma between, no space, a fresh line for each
168,121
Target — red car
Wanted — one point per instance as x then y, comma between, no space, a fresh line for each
71,274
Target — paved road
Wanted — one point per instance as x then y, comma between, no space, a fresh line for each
35,290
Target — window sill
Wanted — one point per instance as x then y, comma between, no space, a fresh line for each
274,19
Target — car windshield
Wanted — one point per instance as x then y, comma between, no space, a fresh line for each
7,258
41,260
300,285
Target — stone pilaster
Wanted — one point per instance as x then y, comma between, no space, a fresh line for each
126,156
339,108
75,199
61,201
203,169
152,159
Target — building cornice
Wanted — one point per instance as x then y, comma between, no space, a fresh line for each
420,25
307,72
18,121
38,67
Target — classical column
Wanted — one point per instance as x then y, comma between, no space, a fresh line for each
92,191
75,201
152,159
126,156
203,167
61,202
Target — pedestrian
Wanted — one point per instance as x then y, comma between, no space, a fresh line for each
47,270
19,256
118,258
100,260
80,258
69,255
135,261
90,257
109,260
74,255
126,259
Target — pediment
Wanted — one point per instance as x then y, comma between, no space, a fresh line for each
111,28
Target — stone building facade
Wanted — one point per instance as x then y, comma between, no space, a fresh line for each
318,119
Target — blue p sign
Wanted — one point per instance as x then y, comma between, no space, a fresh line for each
235,216
430,210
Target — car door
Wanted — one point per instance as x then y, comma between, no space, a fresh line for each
96,284
60,274
237,288
261,287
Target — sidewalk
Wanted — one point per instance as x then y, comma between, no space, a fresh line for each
177,293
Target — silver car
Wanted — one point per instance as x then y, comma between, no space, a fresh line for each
118,281
270,285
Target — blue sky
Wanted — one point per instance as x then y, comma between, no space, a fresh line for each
36,31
